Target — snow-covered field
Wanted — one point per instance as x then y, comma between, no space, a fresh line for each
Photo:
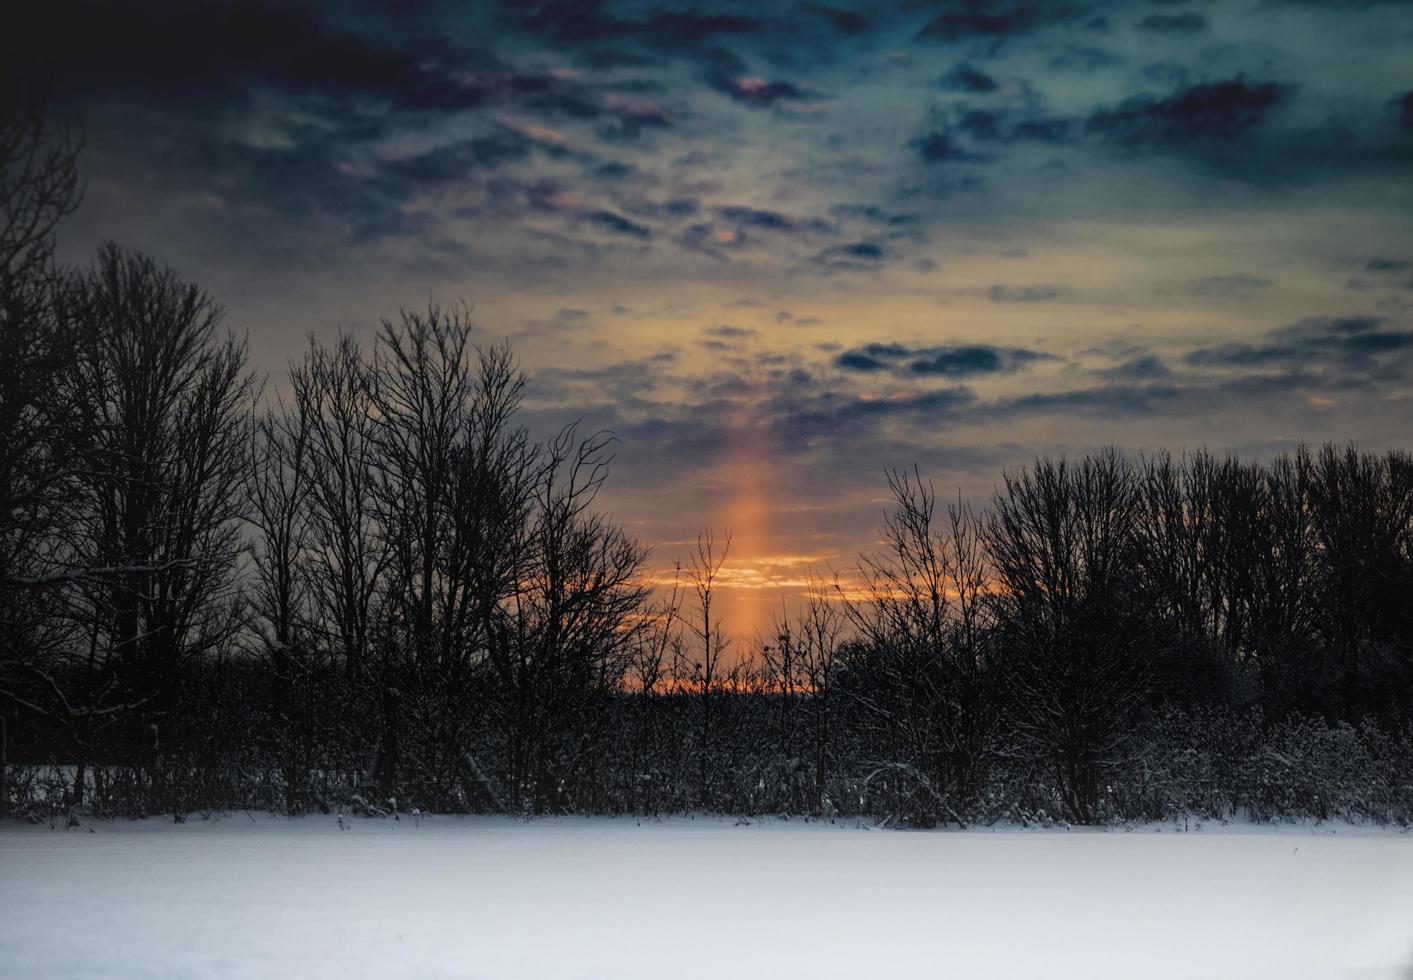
574,898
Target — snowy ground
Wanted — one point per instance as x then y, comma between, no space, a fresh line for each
496,898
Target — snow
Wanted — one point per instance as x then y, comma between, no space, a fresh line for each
263,896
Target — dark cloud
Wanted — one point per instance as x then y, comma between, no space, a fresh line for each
758,93
628,384
568,103
616,223
454,161
591,21
611,58
296,186
1346,343
856,361
621,117
798,422
627,117
982,124
1238,284
846,22
1405,109
874,214
673,209
1140,384
940,148
1217,111
729,332
1388,265
967,78
1227,127
862,250
974,20
669,29
1080,57
1243,387
1230,129
1107,400
958,361
1000,126
1042,130
1147,367
757,218
854,256
703,238
971,359
615,170
1167,73
278,111
764,220
1183,23
1333,4
219,55
1025,294
872,357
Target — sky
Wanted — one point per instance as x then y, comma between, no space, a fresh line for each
780,247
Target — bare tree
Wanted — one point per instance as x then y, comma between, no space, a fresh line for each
916,677
163,399
1196,525
332,390
39,182
454,490
1361,505
569,632
656,643
278,488
422,389
39,187
802,664
1062,541
703,676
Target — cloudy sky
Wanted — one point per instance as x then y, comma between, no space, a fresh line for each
778,246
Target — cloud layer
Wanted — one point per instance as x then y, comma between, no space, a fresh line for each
780,245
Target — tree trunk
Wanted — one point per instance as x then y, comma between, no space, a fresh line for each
4,767
80,777
385,774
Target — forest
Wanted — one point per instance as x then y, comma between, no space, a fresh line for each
370,589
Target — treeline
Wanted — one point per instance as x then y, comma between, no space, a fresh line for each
370,586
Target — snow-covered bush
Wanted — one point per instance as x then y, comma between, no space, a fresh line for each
1225,764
